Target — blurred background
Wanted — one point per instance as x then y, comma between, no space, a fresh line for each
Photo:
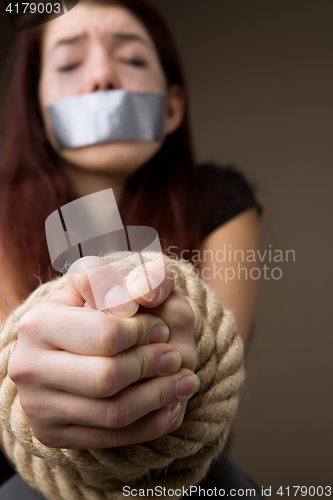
261,78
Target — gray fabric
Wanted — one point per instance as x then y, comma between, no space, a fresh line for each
16,489
107,116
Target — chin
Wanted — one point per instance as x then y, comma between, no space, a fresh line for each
112,157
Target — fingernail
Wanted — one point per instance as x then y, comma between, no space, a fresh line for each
141,288
174,411
159,333
169,362
188,385
116,296
119,302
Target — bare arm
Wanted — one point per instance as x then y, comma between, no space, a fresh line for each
221,268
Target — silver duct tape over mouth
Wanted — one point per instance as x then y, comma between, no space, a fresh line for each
107,116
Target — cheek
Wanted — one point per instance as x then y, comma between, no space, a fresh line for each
142,82
52,87
50,91
46,89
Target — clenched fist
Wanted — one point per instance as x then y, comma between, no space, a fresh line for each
92,377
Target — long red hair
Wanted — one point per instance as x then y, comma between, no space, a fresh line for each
162,194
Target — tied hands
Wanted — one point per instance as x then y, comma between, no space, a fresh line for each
89,378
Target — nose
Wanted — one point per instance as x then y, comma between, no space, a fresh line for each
103,86
102,74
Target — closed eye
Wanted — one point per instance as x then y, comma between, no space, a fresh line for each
70,67
139,63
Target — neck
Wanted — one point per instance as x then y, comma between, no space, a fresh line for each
86,182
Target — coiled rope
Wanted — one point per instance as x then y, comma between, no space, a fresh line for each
175,460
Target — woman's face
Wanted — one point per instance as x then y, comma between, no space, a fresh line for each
97,47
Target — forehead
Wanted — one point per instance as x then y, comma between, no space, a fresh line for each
95,20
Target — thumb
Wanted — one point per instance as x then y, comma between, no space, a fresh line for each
150,284
101,285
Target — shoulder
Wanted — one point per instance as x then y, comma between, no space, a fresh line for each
224,193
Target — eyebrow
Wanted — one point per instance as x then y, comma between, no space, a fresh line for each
128,37
69,40
117,36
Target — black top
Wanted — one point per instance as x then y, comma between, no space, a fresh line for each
225,194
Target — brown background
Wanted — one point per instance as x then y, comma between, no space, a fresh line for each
261,80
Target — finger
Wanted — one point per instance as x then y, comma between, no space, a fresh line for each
148,428
150,284
93,333
178,314
100,377
100,284
120,410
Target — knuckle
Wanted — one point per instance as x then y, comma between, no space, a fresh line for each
105,334
20,370
164,392
141,323
31,322
14,366
118,415
112,438
103,381
145,363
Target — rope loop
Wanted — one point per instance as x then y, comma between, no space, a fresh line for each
176,460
